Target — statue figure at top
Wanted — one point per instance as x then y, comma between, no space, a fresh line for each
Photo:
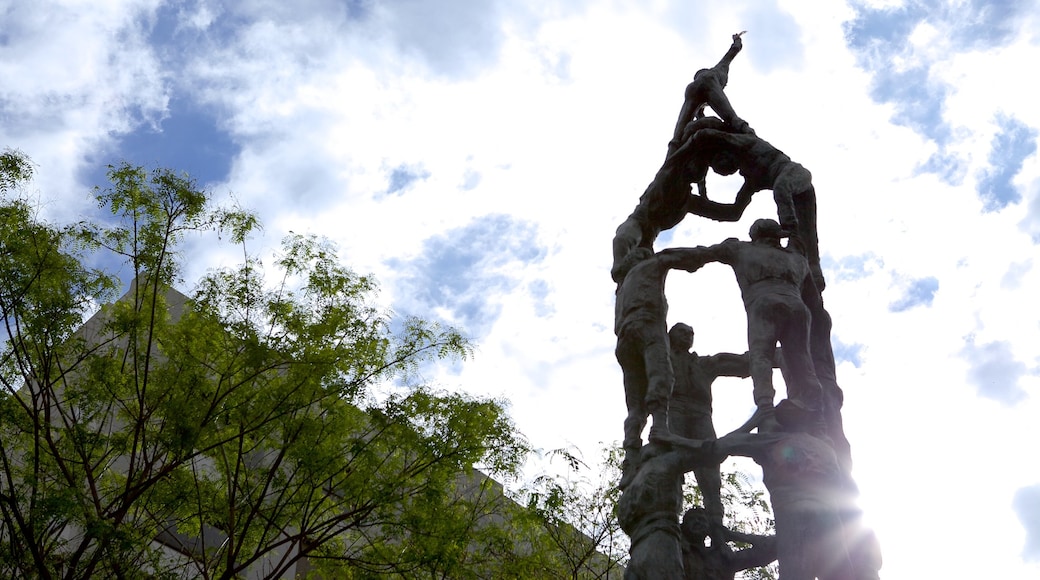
668,199
707,90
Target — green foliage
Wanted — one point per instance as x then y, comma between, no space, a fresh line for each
250,428
15,168
577,516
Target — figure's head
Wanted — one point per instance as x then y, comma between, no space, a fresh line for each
681,336
724,163
695,525
766,229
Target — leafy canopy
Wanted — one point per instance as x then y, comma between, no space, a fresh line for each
250,428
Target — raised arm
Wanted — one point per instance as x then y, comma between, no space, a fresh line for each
734,48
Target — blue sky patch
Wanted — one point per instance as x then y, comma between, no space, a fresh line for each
847,352
881,29
460,270
189,139
403,176
1011,146
982,24
919,292
950,168
880,38
850,267
1027,507
994,371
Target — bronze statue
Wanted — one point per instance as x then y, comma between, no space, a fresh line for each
800,444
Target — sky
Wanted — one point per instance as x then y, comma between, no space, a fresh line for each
476,157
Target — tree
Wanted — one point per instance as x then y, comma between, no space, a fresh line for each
576,514
258,427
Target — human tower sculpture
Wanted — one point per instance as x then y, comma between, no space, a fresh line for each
799,441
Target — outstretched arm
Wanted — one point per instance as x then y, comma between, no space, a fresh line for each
711,140
713,210
761,552
753,445
727,364
689,259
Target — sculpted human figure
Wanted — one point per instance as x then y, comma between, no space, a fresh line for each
808,495
764,167
640,323
668,199
648,511
707,90
719,561
690,408
776,286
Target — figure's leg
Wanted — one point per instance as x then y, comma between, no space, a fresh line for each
762,336
692,104
635,398
823,363
719,102
793,543
655,557
831,551
805,208
633,372
802,409
660,380
709,480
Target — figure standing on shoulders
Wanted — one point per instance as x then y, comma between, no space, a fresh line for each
640,323
777,289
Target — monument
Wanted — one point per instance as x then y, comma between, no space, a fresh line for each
799,442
